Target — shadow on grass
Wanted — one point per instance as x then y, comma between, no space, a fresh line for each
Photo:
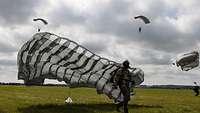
77,108
136,106
2,111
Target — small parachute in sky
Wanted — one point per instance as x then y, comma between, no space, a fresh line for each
42,20
188,61
144,19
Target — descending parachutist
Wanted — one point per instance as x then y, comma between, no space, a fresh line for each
140,29
145,20
42,20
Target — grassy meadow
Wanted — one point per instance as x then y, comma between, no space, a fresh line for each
38,99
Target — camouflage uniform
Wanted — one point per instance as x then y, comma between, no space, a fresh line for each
122,79
196,90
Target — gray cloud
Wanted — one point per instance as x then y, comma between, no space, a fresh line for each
155,58
114,18
109,19
96,47
166,74
17,11
7,62
160,35
158,42
165,37
65,15
6,48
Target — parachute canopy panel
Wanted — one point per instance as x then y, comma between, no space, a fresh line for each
40,19
188,61
145,19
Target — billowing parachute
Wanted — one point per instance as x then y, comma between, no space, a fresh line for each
188,61
48,56
144,19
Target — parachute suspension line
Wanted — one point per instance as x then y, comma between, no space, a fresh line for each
69,99
69,92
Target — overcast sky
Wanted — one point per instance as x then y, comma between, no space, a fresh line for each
108,28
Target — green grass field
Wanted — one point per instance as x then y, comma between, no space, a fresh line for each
37,99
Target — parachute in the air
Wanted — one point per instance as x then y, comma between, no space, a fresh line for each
48,56
144,19
41,20
188,61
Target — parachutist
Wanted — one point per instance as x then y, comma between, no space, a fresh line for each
196,89
140,29
42,20
122,79
145,20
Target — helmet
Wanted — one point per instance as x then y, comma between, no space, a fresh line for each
126,64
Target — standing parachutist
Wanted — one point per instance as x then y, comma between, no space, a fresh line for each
196,89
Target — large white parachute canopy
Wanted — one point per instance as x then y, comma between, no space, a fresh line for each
48,56
188,61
